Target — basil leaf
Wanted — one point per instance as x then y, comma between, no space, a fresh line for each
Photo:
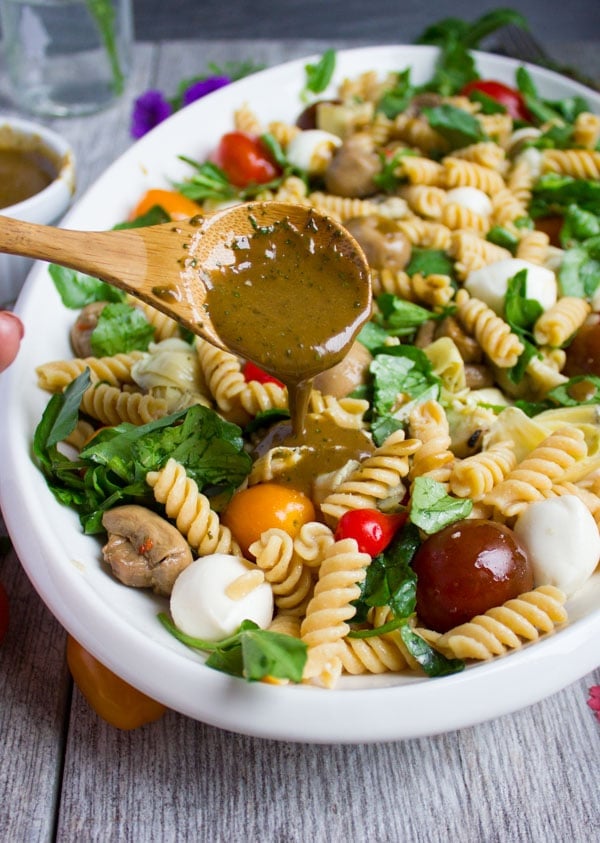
433,663
390,581
432,508
429,262
400,317
208,182
319,75
520,312
76,289
120,328
456,126
154,216
396,99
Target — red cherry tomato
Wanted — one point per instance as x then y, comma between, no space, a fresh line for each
511,99
466,569
3,612
244,160
373,530
252,372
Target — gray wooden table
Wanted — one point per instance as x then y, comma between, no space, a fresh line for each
65,775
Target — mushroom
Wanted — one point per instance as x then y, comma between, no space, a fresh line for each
85,323
353,168
143,549
347,375
384,245
470,350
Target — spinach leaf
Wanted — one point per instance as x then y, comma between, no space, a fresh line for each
579,273
432,508
390,581
250,653
399,317
396,99
76,289
456,126
429,262
319,75
120,328
432,662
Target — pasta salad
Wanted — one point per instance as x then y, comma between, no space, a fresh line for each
429,521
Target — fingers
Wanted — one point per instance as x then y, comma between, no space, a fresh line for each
11,334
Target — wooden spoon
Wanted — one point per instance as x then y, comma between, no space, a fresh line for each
163,264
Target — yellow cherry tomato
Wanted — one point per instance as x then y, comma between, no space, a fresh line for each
113,699
258,508
178,206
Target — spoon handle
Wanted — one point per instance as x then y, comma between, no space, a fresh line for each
136,260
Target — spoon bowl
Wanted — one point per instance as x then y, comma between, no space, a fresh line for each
168,266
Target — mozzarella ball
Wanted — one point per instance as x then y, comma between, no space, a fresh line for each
490,283
200,603
472,198
532,157
562,542
312,150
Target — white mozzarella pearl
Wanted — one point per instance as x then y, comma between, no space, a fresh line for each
562,542
201,607
490,283
472,198
310,146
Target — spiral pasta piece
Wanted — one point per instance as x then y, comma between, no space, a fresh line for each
116,370
485,153
375,654
532,479
325,624
426,200
472,252
164,326
456,216
428,423
420,170
460,173
377,477
223,374
578,163
475,476
557,324
290,580
430,235
586,130
491,332
191,510
533,247
110,405
506,627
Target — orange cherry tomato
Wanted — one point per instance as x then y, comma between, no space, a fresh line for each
178,206
113,699
258,508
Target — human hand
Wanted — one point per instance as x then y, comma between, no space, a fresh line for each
11,334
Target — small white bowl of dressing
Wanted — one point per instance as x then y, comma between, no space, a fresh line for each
37,184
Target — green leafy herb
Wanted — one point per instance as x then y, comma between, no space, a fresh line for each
520,312
251,653
503,237
554,193
429,262
319,75
432,662
456,126
396,99
390,581
399,317
154,216
112,468
207,182
432,508
579,273
120,328
77,289
390,175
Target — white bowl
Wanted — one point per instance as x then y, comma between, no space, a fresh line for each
45,207
118,624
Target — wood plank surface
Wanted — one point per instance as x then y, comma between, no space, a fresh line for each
67,776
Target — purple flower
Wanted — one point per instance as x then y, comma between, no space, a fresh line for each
204,87
594,700
148,111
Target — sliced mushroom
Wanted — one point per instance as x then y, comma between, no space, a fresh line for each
349,373
85,323
384,245
478,376
353,168
143,549
470,350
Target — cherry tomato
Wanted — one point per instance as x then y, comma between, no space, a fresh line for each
583,354
373,530
113,699
258,508
178,206
466,569
252,372
510,98
244,160
3,613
